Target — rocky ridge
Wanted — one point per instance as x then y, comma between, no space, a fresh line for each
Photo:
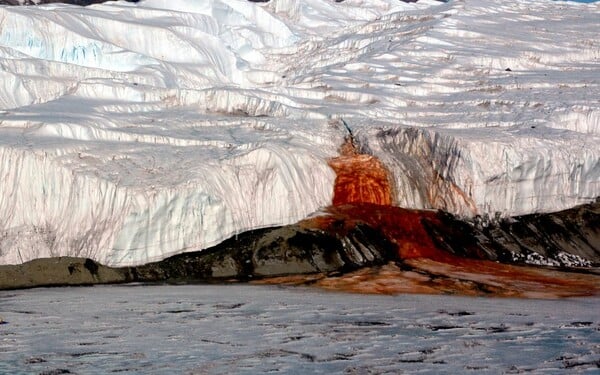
333,245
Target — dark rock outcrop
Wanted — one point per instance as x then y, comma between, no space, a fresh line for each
335,244
289,250
280,251
566,238
61,271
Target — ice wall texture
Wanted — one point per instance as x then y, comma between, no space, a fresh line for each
131,132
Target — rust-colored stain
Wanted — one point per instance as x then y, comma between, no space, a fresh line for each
475,278
402,226
363,194
360,178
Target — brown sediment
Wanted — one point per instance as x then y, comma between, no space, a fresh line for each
476,278
479,278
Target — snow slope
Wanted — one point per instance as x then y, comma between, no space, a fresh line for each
131,132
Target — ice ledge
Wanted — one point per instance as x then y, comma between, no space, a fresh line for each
489,171
52,210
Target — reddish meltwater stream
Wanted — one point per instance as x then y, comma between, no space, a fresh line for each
360,178
363,194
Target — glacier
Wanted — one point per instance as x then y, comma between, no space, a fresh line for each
130,132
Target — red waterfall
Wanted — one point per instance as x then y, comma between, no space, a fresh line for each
363,194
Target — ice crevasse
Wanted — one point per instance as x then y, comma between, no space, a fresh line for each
130,132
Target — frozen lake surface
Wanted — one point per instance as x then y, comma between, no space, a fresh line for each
199,329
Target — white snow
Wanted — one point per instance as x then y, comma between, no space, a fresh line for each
134,131
558,260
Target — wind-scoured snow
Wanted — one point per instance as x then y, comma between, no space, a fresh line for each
131,132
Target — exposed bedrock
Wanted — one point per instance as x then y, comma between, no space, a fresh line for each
371,248
294,249
568,238
61,271
339,241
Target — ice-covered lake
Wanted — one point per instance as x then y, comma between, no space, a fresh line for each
200,329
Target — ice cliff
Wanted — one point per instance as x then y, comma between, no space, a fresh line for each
130,132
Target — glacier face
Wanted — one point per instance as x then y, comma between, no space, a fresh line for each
131,132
